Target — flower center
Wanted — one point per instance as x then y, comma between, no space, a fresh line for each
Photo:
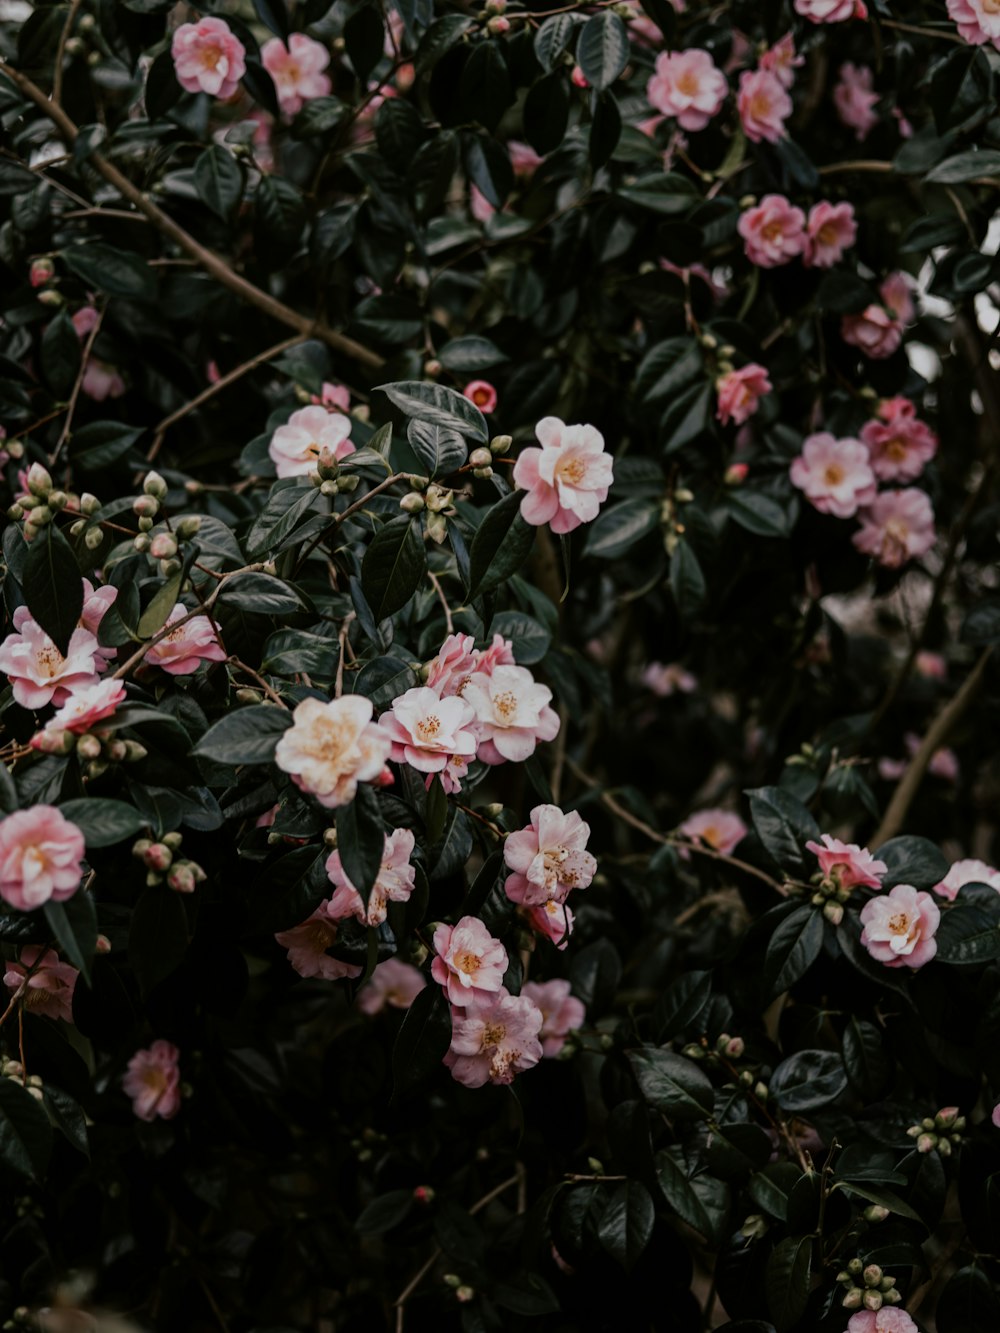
899,924
210,56
833,475
687,83
155,1079
772,232
760,106
827,234
493,1034
428,727
467,962
505,706
571,470
50,660
33,863
328,742
896,448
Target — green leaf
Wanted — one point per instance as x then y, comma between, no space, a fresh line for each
361,840
668,367
886,1197
248,736
965,167
108,268
546,110
286,508
772,1188
74,924
103,821
969,1303
531,640
760,514
808,1081
484,88
605,129
662,192
289,890
438,405
865,1059
219,181
603,50
687,582
784,826
469,355
25,1132
672,1176
393,566
158,611
423,1040
98,444
158,936
439,448
280,211
626,1225
617,529
68,1116
672,1084
968,935
500,546
553,37
385,1212
60,354
792,949
53,586
914,861
262,595
787,1280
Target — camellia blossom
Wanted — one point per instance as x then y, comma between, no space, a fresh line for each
567,479
835,475
297,70
453,665
855,98
978,20
721,829
830,230
967,872
899,444
307,945
688,86
562,1013
849,865
549,857
40,855
332,746
85,706
482,394
334,397
878,330
38,672
553,920
764,106
208,58
50,982
153,1081
296,446
889,1319
97,602
829,11
468,960
665,680
494,1038
898,526
101,380
427,731
740,392
773,231
782,61
899,927
184,648
512,713
394,883
393,983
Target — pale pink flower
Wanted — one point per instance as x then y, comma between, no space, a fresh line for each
307,945
553,920
548,858
740,392
782,61
334,397
479,206
978,20
482,394
295,447
835,475
995,1117
523,159
967,872
332,746
37,670
720,829
899,927
567,479
764,106
889,1319
688,86
297,70
943,762
932,666
85,705
847,864
831,229
40,855
855,99
427,730
84,320
667,680
456,660
899,443
50,985
97,602
153,1081
773,231
828,11
393,983
898,526
493,1039
469,960
512,713
101,380
561,1012
208,58
394,883
878,330
184,648
499,653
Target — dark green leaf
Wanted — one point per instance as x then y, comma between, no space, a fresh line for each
968,935
385,1212
162,604
53,587
262,595
439,449
422,1042
500,546
158,936
361,840
108,268
626,1225
393,566
792,949
286,508
687,582
470,355
103,821
965,167
784,826
968,1304
672,1084
808,1081
618,528
248,736
60,354
546,109
602,51
668,367
914,861
74,924
25,1132
787,1279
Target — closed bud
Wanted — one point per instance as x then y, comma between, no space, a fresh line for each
872,1300
36,1091
145,524
182,878
452,1280
760,1092
872,1275
78,528
53,742
844,1276
158,856
943,1147
15,448
853,1299
466,1293
140,847
928,1123
95,769
102,944
163,546
946,1117
432,368
886,1284
892,1297
141,543
875,1212
348,483
58,500
15,513
735,1047
927,1143
41,516
154,485
437,527
51,297
173,840
411,503
115,751
746,1078
834,913
481,457
134,752
482,473
328,488
424,1195
145,506
913,1131
330,836
855,1267
693,1052
41,272
188,527
88,747
959,1124
500,444
245,695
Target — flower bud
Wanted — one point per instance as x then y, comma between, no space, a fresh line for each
943,1147
328,488
886,1284
432,368
927,1143
466,1293
58,500
760,1091
140,847
946,1117
154,485
412,503
481,457
173,840
141,543
834,913
872,1275
88,747
855,1267
36,1092
134,752
188,527
15,513
853,1299
49,296
102,944
163,546
872,1300
578,78
146,506
115,751
41,272
736,474
158,856
423,1194
500,444
735,1047
437,527
496,27
39,481
145,524
182,878
754,1226
876,1213
347,484
53,742
892,1297
452,1280
482,473
41,516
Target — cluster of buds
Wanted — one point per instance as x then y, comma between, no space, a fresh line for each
161,864
328,477
146,507
435,500
940,1133
97,750
481,462
43,501
463,1292
13,1069
89,506
868,1287
725,1048
365,1145
673,527
831,896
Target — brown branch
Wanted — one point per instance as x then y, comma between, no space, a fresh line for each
77,386
57,72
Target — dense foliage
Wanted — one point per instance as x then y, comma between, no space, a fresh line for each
455,458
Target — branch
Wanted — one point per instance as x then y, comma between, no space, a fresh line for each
77,386
57,72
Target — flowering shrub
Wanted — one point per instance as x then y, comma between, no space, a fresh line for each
498,813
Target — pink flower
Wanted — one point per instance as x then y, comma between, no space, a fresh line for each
782,61
469,960
764,106
831,230
967,872
84,320
827,11
97,602
719,828
40,855
333,397
899,443
297,446
523,159
482,393
208,58
307,945
182,650
740,392
86,705
773,231
553,920
890,1319
847,864
855,99
297,70
37,669
898,526
878,330
567,480
50,985
995,1117
548,857
153,1081
578,78
932,666
101,381
394,882
479,206
427,730
688,86
331,747
899,927
393,983
978,20
499,653
834,474
561,1012
493,1039
454,664
667,680
512,713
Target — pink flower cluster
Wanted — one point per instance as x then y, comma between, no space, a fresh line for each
775,232
719,829
567,479
899,444
899,927
38,671
548,859
764,105
889,1319
309,436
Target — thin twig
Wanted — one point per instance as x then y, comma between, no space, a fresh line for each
77,386
345,628
57,73
436,582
